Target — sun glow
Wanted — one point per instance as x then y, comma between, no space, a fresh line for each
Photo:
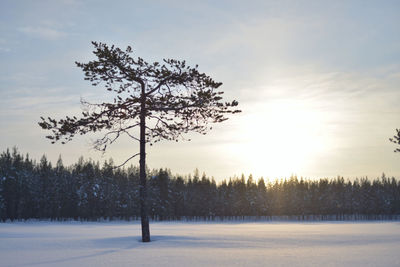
281,139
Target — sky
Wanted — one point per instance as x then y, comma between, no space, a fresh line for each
318,82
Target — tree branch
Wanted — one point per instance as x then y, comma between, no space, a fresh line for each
126,161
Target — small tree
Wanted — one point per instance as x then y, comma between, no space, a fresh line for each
396,140
162,100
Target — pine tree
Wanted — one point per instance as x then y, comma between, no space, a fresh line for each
396,139
163,101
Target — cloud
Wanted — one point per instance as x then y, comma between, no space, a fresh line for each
43,32
4,49
4,46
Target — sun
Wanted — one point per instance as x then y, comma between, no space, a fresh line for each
281,139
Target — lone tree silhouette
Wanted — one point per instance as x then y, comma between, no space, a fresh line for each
396,140
162,100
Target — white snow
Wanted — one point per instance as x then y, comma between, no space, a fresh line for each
200,244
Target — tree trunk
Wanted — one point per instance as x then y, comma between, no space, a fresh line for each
143,189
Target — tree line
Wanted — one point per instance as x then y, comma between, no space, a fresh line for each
87,190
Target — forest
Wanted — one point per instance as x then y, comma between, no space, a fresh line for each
87,190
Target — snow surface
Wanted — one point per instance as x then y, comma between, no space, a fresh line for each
200,244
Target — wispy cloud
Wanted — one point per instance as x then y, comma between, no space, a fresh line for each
42,32
309,87
3,46
4,49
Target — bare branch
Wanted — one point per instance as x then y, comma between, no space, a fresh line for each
137,154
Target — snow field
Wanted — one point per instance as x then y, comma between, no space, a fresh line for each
200,244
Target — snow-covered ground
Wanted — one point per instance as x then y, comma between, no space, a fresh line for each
200,244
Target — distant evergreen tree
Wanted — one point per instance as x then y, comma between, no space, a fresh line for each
178,192
87,191
6,183
3,215
46,194
262,198
159,195
251,197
